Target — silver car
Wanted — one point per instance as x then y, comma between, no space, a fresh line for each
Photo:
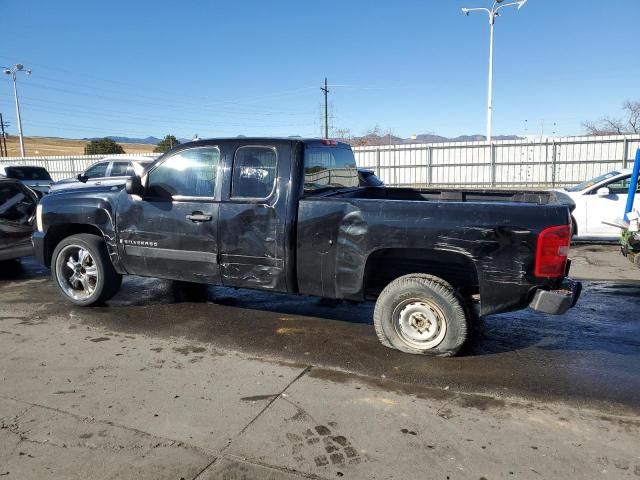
107,172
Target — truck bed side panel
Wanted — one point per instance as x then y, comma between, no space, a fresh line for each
336,237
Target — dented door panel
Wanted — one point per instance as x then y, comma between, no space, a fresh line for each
255,233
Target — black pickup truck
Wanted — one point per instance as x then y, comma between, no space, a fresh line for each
288,215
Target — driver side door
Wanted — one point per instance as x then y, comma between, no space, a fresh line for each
171,231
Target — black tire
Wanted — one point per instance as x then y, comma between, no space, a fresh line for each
435,302
108,281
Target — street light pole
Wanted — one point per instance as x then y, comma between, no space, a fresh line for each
493,13
13,72
492,22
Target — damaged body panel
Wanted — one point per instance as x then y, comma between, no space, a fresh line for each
288,215
17,214
362,240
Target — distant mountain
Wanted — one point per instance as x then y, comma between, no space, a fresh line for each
377,139
370,139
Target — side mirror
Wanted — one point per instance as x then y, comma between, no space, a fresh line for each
134,186
603,192
82,178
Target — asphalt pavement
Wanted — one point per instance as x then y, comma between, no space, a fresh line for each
168,382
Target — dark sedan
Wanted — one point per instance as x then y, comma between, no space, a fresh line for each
36,178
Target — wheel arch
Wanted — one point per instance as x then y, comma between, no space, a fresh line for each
387,264
57,233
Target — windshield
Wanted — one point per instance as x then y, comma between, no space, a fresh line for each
28,173
592,182
329,167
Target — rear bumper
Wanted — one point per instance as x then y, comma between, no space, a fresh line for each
557,302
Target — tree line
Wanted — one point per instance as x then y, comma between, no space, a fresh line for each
108,146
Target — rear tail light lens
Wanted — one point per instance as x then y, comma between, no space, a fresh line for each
552,251
330,143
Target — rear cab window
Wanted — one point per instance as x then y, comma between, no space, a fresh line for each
328,166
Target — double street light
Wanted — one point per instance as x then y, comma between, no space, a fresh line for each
493,13
13,71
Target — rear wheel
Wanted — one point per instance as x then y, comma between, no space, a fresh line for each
82,270
421,314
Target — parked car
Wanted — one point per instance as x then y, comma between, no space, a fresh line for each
598,201
17,213
109,171
288,215
36,178
368,178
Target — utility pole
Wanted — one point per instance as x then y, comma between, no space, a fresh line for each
3,140
325,90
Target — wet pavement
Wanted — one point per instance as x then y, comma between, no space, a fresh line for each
586,357
171,381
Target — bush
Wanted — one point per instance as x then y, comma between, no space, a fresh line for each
103,146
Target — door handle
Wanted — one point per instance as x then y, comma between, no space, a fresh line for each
98,183
199,217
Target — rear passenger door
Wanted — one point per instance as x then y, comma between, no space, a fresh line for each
253,230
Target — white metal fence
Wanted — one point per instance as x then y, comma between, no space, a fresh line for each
513,163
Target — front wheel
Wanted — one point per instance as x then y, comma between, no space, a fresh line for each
421,314
82,270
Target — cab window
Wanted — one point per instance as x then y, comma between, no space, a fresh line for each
188,173
120,169
99,170
254,172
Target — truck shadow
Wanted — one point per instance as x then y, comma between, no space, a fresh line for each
605,319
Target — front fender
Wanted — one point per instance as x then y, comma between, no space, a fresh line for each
64,215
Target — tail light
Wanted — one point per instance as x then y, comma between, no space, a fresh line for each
329,143
552,251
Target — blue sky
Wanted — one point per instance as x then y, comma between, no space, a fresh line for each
255,67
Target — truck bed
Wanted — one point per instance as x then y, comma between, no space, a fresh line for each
539,197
